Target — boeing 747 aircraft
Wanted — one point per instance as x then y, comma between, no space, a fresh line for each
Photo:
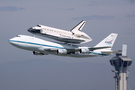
75,36
43,47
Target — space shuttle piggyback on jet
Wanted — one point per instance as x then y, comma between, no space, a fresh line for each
74,36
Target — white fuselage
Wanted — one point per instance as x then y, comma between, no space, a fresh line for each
43,47
76,37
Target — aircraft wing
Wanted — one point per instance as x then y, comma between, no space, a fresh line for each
110,52
69,50
51,49
91,49
95,48
73,50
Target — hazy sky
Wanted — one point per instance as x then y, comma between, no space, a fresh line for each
20,70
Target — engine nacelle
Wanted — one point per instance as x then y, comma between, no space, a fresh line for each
61,51
38,53
84,50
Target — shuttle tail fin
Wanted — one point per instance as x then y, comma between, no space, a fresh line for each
108,41
79,26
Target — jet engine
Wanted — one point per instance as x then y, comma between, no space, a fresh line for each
38,53
61,51
84,50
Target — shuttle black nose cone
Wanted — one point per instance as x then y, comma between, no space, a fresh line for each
30,30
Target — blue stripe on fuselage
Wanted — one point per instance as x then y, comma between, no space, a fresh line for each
35,44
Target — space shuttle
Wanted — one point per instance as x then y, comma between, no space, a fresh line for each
74,36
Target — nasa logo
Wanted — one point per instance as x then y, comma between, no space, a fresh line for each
109,42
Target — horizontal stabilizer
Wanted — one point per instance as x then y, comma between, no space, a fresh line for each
111,52
96,48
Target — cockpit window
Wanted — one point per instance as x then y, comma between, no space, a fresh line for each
38,25
18,36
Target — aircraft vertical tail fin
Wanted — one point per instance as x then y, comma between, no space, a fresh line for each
108,41
79,26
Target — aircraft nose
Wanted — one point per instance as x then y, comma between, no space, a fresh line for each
11,41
